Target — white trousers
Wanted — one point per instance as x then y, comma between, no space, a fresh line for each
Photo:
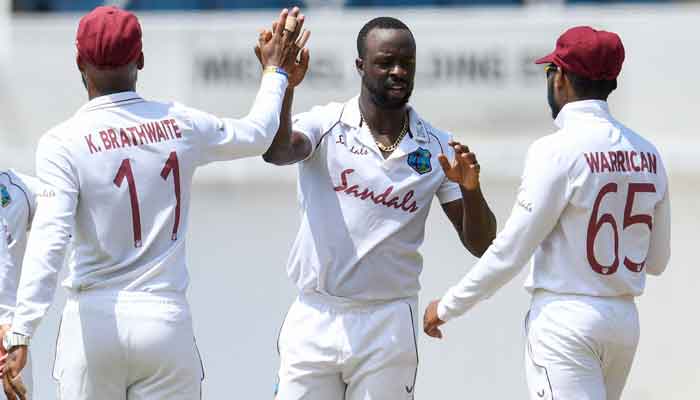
331,349
579,347
28,380
127,346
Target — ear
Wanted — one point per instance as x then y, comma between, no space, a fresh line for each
359,65
560,79
140,61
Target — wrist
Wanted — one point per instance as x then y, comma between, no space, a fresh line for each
442,311
14,339
273,69
470,188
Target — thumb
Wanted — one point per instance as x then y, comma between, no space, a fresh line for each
305,57
444,163
257,53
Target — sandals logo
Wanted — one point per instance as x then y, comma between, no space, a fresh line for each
5,198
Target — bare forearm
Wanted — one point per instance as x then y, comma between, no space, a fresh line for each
478,222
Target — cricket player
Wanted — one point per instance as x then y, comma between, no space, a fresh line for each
593,213
18,204
369,169
119,175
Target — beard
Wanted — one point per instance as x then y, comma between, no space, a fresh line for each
379,94
551,100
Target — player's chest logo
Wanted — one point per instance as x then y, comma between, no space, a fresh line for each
358,150
419,160
5,198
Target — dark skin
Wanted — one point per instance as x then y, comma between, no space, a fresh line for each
560,92
279,49
387,70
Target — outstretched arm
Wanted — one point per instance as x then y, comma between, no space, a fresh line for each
288,146
542,198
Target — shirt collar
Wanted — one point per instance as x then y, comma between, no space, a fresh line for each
576,109
417,133
115,99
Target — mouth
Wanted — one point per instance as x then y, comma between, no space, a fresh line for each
397,89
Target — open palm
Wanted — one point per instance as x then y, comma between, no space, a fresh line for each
464,170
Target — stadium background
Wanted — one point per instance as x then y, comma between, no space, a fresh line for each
475,78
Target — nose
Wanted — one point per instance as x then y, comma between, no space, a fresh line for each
398,70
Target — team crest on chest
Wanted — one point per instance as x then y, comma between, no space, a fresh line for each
419,160
5,198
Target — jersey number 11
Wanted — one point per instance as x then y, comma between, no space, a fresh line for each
125,172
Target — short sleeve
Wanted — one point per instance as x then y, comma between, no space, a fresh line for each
310,124
33,188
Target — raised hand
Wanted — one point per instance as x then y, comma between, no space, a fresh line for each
464,170
297,61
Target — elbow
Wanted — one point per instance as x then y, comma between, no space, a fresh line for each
478,247
277,157
270,158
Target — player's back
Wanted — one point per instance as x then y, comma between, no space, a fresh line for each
130,163
615,224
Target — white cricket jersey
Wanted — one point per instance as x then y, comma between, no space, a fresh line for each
18,194
363,216
593,208
120,173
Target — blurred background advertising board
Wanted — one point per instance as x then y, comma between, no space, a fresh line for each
475,75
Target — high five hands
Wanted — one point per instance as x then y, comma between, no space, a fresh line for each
464,170
285,47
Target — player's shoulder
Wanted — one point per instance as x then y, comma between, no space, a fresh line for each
637,139
326,113
19,183
561,143
424,131
558,150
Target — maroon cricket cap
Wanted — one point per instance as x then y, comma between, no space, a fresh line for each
588,53
109,37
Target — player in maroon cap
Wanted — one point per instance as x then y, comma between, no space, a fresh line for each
593,215
118,178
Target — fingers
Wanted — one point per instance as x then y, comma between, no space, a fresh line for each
465,156
303,64
435,332
258,53
8,388
303,38
292,26
18,387
277,33
444,163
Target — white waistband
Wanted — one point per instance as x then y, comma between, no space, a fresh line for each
123,296
543,296
328,302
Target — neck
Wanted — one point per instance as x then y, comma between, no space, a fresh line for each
97,92
382,121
